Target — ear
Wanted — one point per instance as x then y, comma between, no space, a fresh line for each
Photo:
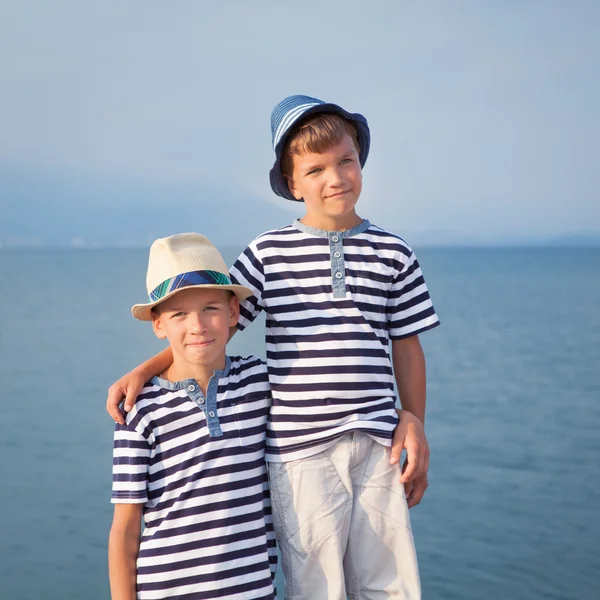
234,310
158,327
292,187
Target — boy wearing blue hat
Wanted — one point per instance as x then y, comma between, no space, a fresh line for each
336,290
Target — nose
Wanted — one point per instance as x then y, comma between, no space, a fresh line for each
196,323
335,178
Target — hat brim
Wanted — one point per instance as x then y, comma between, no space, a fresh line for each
279,184
143,312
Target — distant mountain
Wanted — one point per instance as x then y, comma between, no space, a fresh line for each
450,239
64,209
577,240
41,209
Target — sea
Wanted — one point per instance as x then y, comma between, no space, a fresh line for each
513,419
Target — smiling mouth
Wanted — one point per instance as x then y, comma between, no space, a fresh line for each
339,194
200,344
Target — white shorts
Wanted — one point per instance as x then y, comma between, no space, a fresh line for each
342,524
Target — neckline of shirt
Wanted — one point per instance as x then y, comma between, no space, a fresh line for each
184,383
324,233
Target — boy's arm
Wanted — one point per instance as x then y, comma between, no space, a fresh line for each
408,361
248,271
131,384
123,548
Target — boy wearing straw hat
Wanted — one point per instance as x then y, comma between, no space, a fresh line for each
337,292
190,457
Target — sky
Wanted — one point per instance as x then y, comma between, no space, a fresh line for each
124,121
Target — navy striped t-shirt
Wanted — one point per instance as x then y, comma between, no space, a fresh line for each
333,300
197,464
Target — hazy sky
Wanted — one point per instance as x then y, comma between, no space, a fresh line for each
120,121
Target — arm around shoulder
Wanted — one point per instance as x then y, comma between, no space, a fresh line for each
131,384
123,549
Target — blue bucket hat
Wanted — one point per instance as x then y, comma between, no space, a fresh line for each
288,112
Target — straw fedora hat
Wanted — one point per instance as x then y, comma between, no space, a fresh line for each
182,261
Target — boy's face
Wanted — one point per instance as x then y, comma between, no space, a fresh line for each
196,323
330,183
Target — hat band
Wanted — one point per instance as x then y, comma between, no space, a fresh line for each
289,118
186,280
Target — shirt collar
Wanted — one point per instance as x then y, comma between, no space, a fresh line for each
181,385
324,233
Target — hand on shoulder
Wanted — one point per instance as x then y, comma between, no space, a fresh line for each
127,388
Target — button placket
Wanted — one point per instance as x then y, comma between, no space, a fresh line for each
209,408
212,415
338,272
195,393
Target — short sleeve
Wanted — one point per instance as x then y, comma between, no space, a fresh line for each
409,307
248,271
131,459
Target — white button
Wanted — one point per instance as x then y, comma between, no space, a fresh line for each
335,238
191,388
211,413
201,400
338,275
337,254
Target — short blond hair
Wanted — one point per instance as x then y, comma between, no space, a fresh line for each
316,134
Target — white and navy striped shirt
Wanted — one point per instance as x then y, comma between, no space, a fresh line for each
333,300
197,463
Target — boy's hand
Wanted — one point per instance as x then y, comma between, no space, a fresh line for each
128,387
410,435
415,489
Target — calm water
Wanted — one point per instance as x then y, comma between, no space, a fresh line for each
514,411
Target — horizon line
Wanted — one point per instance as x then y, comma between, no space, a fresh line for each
457,245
